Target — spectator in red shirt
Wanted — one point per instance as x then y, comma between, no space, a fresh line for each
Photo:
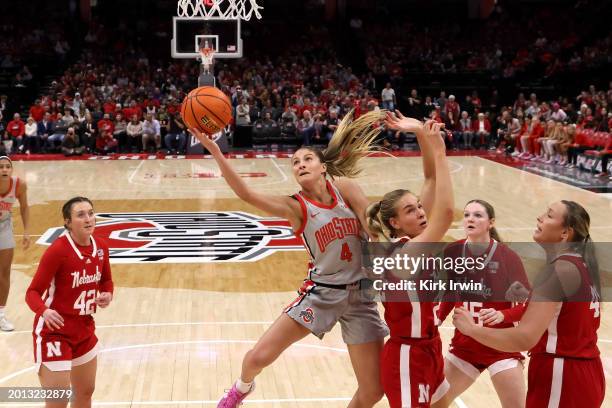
105,142
110,107
16,132
132,109
37,111
452,112
435,115
106,124
482,130
530,147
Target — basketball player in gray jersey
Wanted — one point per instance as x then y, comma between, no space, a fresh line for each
12,189
329,215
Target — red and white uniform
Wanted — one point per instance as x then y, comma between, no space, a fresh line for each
68,280
502,268
412,365
565,369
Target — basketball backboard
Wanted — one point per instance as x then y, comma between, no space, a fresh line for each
221,33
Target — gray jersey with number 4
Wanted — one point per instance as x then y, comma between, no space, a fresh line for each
332,235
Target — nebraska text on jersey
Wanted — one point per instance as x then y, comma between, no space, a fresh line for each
337,228
189,237
81,278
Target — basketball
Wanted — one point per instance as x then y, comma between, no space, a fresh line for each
207,109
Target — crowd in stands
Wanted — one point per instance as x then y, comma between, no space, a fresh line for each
118,98
30,39
544,42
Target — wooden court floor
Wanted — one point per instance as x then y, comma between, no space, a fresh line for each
176,332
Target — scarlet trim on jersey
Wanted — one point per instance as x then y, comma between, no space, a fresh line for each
300,200
321,205
10,188
306,288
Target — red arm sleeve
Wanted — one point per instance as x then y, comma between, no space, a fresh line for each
514,314
445,309
106,283
516,272
47,268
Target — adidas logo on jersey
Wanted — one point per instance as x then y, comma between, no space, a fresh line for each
88,261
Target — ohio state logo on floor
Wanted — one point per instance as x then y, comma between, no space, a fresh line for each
189,237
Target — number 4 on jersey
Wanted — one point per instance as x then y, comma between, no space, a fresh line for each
346,254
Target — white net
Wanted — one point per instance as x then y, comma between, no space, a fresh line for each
230,9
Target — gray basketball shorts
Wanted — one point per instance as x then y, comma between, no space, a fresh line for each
7,240
319,308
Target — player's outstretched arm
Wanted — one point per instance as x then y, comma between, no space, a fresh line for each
279,206
441,215
410,125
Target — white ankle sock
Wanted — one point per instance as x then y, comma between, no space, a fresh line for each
243,387
2,309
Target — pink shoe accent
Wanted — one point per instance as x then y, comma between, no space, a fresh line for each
233,398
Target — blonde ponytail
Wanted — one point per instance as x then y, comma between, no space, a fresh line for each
352,140
373,220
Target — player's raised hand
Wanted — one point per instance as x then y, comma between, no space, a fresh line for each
53,320
491,317
517,292
206,141
399,122
433,136
104,299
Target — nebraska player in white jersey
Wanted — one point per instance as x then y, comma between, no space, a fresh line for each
412,365
565,369
73,277
502,269
327,212
11,190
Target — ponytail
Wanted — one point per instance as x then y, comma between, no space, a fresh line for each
578,219
352,140
373,220
494,234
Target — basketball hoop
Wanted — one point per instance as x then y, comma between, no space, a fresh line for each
207,55
225,9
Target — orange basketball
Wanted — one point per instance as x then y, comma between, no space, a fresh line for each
207,109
